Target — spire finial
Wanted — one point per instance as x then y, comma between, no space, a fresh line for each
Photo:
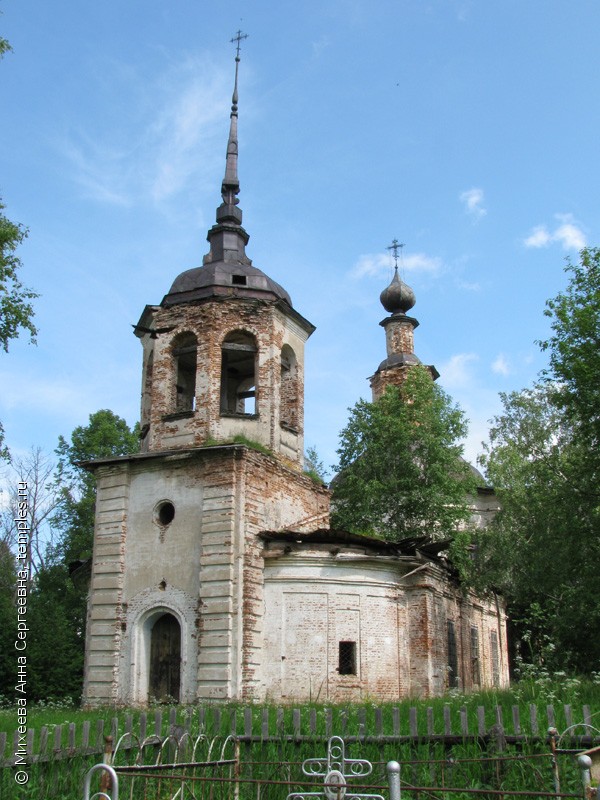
227,238
395,246
231,184
398,298
238,38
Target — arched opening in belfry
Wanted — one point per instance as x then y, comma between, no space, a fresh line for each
184,350
289,388
238,374
164,682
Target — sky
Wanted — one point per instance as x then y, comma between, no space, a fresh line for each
465,129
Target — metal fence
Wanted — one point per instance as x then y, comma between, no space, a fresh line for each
201,769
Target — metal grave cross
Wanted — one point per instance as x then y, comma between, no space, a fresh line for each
336,769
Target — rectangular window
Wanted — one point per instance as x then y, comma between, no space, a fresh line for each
347,658
475,666
452,656
495,658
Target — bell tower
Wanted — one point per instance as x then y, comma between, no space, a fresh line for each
398,298
178,569
224,350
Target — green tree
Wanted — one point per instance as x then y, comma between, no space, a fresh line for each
574,347
55,644
36,470
543,547
543,459
58,600
106,435
8,615
16,309
314,466
400,470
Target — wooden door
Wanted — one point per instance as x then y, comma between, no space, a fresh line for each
165,659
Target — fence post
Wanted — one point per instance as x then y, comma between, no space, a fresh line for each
105,779
553,733
393,771
112,779
236,769
585,764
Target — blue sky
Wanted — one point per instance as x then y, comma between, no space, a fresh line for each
467,129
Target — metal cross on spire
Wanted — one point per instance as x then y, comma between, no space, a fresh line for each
238,38
395,246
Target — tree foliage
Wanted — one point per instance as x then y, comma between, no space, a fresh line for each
35,469
106,435
16,309
314,466
543,461
62,524
8,615
400,468
574,347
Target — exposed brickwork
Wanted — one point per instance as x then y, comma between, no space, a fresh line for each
211,322
395,612
387,377
400,334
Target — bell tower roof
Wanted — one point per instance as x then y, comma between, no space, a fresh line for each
226,269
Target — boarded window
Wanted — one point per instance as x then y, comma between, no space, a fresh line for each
475,665
452,656
347,658
184,355
495,655
238,374
165,659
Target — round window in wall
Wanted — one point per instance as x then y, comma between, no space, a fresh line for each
164,513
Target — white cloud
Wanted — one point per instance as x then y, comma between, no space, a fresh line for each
500,365
473,201
379,264
456,372
539,237
321,44
568,233
470,286
172,144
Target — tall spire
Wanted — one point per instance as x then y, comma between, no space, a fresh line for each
227,238
231,184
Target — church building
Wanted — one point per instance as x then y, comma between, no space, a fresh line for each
215,574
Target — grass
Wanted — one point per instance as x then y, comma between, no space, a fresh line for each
557,690
524,766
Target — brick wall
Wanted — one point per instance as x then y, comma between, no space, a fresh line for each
273,328
395,613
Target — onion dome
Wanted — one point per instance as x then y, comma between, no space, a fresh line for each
398,298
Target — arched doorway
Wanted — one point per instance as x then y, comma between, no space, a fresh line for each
165,659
